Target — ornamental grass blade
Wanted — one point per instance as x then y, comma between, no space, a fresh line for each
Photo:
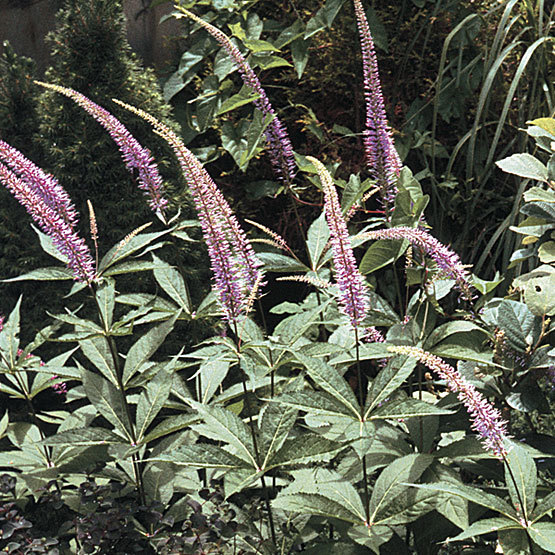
328,379
322,492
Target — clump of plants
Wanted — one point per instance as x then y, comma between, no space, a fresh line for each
383,400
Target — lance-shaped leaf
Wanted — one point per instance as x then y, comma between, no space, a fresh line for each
405,507
406,408
315,403
543,533
486,526
151,400
317,239
474,495
201,456
171,425
105,298
171,281
97,350
308,448
51,273
145,347
9,336
108,401
391,481
328,379
224,425
521,478
396,371
274,424
85,437
322,492
546,505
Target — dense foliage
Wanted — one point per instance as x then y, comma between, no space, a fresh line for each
364,392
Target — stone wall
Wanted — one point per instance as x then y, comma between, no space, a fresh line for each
25,24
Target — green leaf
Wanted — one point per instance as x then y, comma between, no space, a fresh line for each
152,399
514,542
548,124
474,495
322,492
48,246
486,526
314,403
130,266
546,252
317,239
97,350
450,328
274,424
105,297
212,373
521,479
305,449
390,482
244,96
80,437
141,351
254,135
544,506
201,456
224,425
171,281
299,54
43,274
170,425
328,379
275,262
381,253
524,165
108,401
543,533
395,372
406,408
521,327
9,337
539,293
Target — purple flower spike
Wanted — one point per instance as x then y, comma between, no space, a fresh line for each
486,420
281,151
234,264
353,298
52,222
447,261
134,155
45,185
381,157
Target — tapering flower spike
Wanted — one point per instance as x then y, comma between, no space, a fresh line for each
447,261
382,159
486,419
44,185
281,151
136,157
234,264
52,222
353,298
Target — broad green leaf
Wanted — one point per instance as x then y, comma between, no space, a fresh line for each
390,482
395,372
201,456
372,537
171,425
244,96
524,165
486,526
158,482
514,542
275,262
171,281
521,327
274,425
48,246
151,401
406,408
80,437
43,274
450,328
539,194
211,374
224,425
548,124
381,253
317,239
254,135
328,379
544,506
305,449
521,479
145,299
543,533
407,506
129,267
322,492
108,401
474,495
291,329
546,252
141,351
539,293
97,350
299,54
